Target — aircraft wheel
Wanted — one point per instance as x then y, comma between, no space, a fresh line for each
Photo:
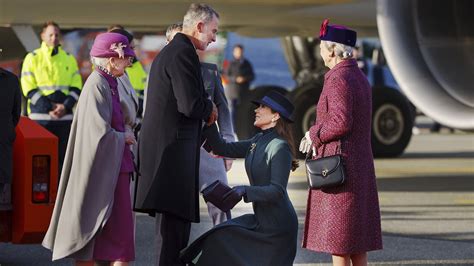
392,123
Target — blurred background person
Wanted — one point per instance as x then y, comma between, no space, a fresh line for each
92,218
172,30
10,109
343,220
239,75
51,81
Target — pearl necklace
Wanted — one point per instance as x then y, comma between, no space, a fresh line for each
106,71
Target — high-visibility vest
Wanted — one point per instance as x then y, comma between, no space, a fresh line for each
138,77
51,76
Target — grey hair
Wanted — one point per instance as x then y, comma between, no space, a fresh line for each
171,29
198,12
100,61
342,51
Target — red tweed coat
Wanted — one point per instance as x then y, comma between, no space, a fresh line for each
345,219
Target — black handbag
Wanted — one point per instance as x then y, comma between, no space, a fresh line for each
325,172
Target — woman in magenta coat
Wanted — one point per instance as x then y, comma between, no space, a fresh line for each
345,220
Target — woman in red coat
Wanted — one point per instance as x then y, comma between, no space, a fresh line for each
345,220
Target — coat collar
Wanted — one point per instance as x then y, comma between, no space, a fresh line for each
49,50
184,39
344,64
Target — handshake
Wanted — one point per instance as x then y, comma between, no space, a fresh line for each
213,117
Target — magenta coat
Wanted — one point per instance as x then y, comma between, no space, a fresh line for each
345,219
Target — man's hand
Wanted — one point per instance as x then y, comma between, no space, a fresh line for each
130,138
213,116
59,110
228,164
52,113
213,155
306,143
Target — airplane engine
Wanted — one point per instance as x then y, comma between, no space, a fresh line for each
429,46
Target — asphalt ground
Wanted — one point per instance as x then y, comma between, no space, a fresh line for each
426,199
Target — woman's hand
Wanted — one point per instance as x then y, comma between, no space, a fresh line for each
306,143
130,138
235,195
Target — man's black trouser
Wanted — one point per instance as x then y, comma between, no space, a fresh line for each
175,234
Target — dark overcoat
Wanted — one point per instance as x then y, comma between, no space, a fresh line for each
268,236
170,138
10,108
345,219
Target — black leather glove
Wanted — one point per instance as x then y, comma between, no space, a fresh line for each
235,195
240,190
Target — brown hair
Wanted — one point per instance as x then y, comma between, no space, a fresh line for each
50,23
285,129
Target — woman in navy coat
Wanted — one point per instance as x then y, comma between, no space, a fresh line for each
345,220
267,237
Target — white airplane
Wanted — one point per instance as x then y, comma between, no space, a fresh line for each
428,44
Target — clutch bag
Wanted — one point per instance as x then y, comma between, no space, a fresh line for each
215,192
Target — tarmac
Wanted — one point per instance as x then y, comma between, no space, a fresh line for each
426,200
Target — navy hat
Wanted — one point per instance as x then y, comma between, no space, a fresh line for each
337,33
278,103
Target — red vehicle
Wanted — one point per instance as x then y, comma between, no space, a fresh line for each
34,185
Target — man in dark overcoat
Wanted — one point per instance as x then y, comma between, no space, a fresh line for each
10,109
169,146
